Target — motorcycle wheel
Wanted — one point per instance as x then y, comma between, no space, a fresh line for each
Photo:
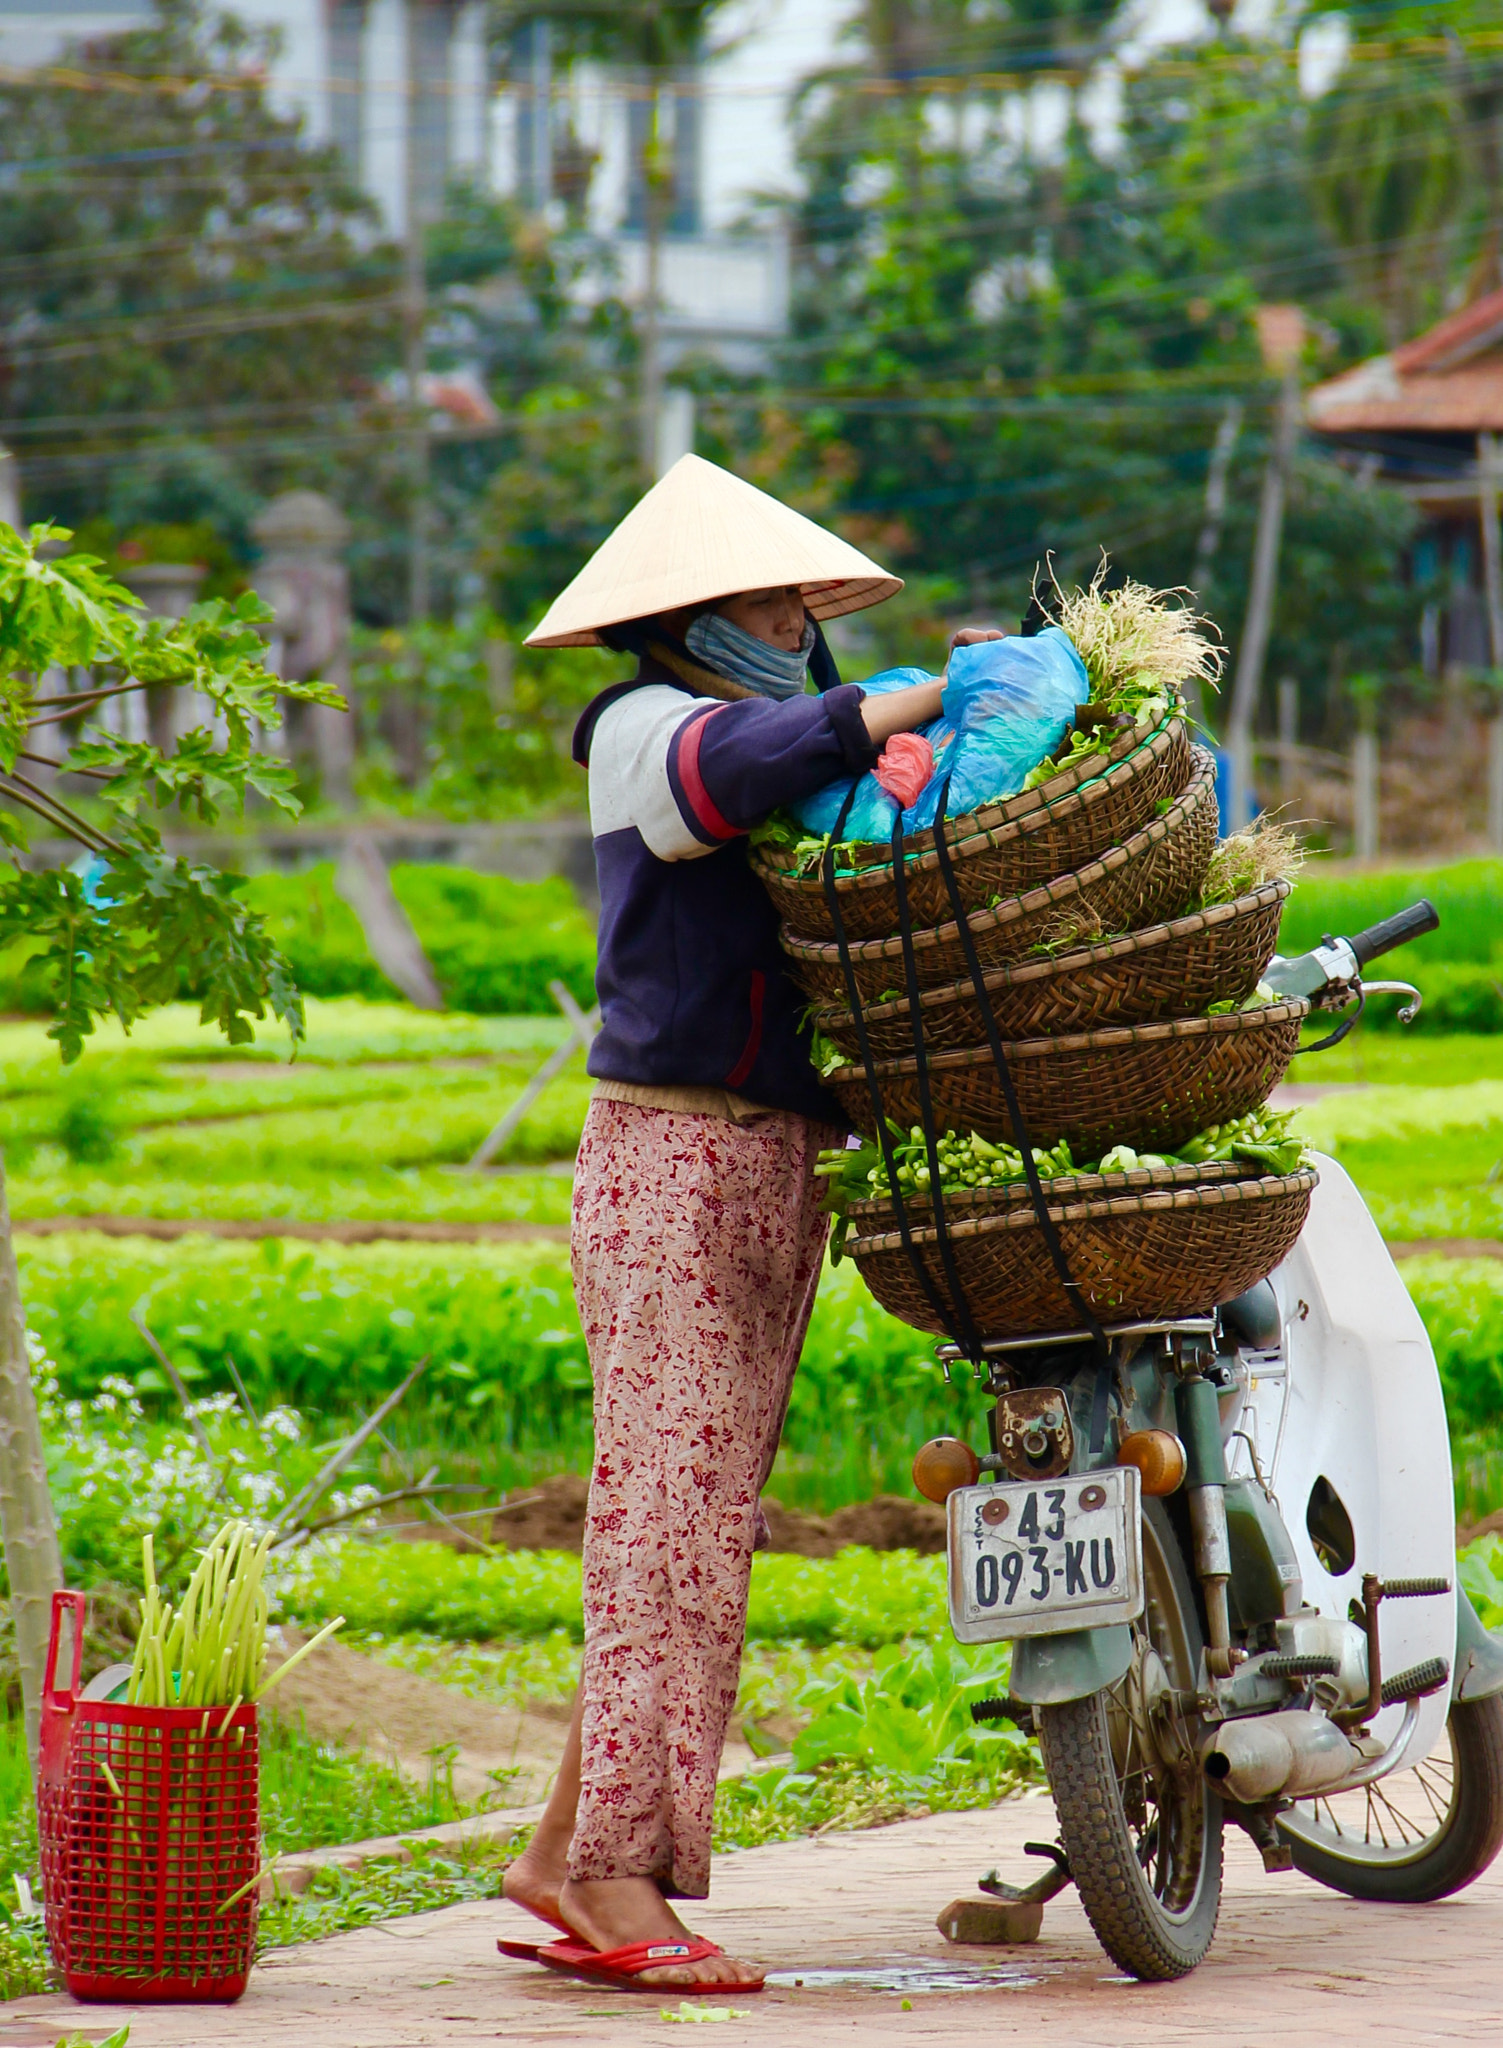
1143,1838
1419,1835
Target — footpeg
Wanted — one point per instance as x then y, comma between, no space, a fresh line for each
1300,1667
1019,1712
1417,1681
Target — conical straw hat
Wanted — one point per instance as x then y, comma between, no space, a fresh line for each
701,533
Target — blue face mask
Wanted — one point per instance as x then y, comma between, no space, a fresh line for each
731,651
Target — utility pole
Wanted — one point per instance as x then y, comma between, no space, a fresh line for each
1215,503
414,324
1282,334
540,152
1492,568
1210,528
1288,736
657,174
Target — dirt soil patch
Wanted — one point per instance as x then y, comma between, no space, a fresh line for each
400,1718
1446,1248
551,1516
503,1754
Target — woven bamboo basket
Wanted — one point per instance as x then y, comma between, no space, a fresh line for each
1001,851
1173,1251
1151,1086
1169,970
1152,875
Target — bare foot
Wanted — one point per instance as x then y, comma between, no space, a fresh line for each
535,1879
615,1912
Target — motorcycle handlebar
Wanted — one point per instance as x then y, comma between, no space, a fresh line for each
1393,931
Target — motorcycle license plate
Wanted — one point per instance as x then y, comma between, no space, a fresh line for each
1033,1558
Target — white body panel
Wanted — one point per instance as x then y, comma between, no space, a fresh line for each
1359,1402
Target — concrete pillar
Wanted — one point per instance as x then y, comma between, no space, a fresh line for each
167,589
675,428
10,488
302,576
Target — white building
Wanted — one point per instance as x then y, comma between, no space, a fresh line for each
556,138
725,264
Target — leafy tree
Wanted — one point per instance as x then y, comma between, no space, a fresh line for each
1430,77
1388,163
126,925
1007,350
556,352
462,721
183,272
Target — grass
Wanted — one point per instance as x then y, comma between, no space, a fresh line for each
1427,1154
1328,898
859,1597
507,1394
381,1105
315,1794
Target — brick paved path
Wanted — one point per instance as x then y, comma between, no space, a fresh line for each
853,1916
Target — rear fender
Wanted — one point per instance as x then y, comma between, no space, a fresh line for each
1478,1670
1048,1670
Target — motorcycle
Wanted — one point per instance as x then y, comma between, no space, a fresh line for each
1245,1609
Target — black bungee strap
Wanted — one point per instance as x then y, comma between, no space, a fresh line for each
970,1340
1046,1222
874,1087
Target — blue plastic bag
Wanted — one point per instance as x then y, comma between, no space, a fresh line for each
1011,703
1007,705
872,809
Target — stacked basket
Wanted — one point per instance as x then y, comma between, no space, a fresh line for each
1108,1043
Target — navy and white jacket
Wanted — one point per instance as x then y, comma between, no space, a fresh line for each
691,980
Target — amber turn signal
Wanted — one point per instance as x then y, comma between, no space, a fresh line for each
1159,1456
942,1464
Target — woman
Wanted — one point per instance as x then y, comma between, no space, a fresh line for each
697,1240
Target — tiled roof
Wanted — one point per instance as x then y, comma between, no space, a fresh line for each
1448,380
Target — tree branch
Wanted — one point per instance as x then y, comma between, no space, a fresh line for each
68,817
46,761
30,798
84,700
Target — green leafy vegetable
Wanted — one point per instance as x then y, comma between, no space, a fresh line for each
1263,1136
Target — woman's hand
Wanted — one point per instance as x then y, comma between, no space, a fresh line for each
901,710
904,710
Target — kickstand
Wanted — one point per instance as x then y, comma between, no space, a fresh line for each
1008,1914
1044,1888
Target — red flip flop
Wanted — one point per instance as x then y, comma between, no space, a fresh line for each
623,1967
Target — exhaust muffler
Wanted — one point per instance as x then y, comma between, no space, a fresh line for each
1287,1755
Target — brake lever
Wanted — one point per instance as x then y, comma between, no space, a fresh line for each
1411,1009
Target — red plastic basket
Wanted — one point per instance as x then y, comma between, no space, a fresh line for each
150,1822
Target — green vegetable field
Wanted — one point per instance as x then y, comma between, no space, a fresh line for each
340,1239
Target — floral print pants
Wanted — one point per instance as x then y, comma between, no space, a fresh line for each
696,1250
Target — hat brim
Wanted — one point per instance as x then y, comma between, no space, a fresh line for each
699,535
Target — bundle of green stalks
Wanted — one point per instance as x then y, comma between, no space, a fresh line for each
1261,852
211,1652
1135,641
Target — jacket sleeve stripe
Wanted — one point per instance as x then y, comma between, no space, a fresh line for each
700,812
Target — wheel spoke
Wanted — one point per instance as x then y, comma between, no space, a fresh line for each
1400,1815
